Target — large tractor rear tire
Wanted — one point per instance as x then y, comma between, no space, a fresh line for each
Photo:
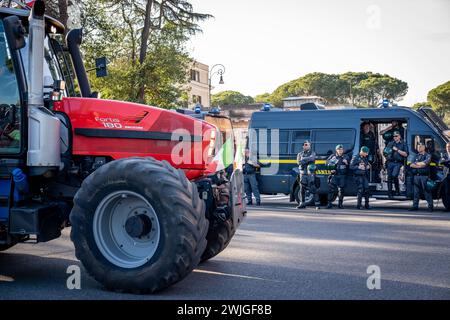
219,236
138,225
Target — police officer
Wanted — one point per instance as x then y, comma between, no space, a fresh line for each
361,168
306,177
336,182
388,133
368,139
250,182
396,153
445,161
420,166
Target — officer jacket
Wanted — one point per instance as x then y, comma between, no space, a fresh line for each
356,161
426,158
248,167
305,158
368,140
337,163
445,161
395,156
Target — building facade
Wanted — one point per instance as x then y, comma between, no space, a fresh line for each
198,86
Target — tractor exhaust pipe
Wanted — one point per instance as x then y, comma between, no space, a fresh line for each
44,147
74,39
36,55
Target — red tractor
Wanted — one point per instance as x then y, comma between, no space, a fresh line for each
142,188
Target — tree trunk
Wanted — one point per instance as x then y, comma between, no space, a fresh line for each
144,44
63,15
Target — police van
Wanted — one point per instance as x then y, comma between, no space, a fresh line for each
277,136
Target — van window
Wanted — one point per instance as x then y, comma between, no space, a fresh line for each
298,137
433,147
325,141
280,148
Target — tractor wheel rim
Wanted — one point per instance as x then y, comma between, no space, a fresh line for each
126,229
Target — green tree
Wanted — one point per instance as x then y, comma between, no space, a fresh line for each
439,99
378,87
263,98
144,41
351,90
419,105
230,98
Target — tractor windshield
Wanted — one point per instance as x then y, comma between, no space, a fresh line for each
57,63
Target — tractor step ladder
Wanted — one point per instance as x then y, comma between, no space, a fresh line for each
5,193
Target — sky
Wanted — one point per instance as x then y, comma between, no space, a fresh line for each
264,44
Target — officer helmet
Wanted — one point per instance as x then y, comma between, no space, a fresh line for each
365,150
311,168
339,146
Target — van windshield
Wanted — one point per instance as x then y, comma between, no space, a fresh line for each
431,116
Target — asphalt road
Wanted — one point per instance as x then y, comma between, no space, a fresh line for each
278,253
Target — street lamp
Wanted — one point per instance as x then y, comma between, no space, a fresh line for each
218,69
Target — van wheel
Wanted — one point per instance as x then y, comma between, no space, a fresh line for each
138,225
4,247
446,200
309,199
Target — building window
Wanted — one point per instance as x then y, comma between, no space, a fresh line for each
197,99
195,75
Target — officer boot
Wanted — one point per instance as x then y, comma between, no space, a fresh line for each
359,203
302,205
390,194
366,205
341,203
397,186
330,202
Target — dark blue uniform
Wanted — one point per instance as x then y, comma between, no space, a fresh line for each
250,182
361,169
445,161
336,181
307,181
395,161
368,140
420,180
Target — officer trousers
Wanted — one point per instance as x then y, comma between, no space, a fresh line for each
362,183
308,183
336,183
251,186
393,171
420,188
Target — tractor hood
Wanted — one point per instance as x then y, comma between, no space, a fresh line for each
121,129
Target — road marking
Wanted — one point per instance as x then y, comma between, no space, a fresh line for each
233,275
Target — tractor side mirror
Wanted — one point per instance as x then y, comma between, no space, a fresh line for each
15,32
100,67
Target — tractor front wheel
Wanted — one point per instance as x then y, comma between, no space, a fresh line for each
138,225
219,236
